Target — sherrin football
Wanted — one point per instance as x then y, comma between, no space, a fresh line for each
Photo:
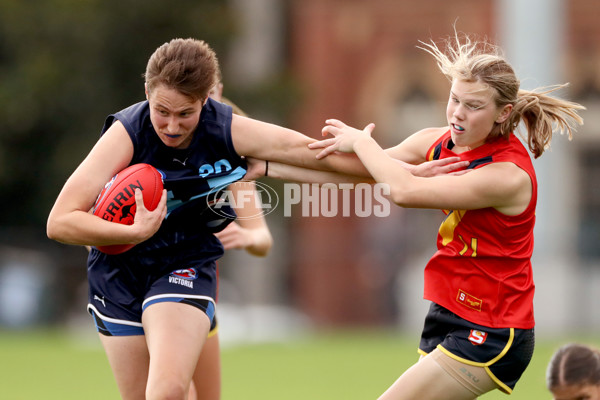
116,202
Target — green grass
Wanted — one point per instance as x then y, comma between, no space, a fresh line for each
348,365
51,365
344,366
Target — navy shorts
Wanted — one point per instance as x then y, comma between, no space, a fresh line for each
504,352
122,287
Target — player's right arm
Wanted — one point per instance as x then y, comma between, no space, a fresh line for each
263,141
71,222
410,155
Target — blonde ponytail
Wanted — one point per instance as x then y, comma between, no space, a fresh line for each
542,115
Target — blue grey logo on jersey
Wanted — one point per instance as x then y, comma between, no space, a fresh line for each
220,166
224,175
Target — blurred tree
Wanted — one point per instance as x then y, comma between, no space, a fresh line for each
65,65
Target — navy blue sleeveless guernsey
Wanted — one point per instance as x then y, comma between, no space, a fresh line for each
190,175
178,263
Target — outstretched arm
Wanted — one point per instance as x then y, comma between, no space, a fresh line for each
264,141
257,168
501,185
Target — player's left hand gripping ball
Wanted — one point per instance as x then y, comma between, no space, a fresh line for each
116,202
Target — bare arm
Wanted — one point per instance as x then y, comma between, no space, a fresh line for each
256,169
503,186
70,221
250,231
413,152
271,142
413,149
274,143
299,174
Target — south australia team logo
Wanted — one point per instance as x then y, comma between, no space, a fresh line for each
477,337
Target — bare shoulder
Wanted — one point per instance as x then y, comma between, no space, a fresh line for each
414,148
428,135
245,132
508,175
267,141
509,186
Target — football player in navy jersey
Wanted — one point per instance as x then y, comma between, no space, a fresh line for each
154,304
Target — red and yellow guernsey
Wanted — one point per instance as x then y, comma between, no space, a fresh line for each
482,268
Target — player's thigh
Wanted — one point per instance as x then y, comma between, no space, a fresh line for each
207,376
427,380
129,359
175,333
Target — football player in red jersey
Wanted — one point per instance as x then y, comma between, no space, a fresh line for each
479,332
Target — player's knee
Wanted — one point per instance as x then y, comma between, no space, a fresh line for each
167,388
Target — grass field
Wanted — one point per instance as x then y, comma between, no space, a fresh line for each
345,365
